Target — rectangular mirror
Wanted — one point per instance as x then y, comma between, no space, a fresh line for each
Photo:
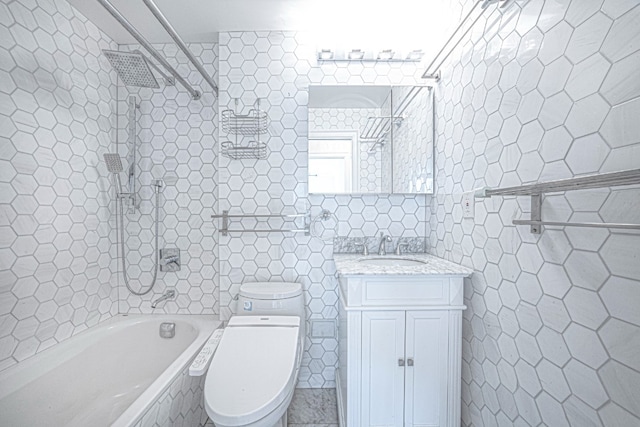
371,139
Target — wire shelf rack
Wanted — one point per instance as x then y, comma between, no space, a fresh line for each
253,150
253,124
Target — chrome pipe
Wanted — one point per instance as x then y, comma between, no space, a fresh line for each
133,146
260,216
577,224
611,179
176,38
435,74
224,229
152,51
407,100
270,230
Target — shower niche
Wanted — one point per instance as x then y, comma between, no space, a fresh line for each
371,139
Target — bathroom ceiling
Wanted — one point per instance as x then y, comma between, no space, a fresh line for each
397,24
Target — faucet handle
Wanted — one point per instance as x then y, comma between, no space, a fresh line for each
365,249
399,247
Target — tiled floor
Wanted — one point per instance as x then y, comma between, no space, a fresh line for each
313,407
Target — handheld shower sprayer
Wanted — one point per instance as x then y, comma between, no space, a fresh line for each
114,165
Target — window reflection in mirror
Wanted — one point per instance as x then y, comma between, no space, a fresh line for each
370,139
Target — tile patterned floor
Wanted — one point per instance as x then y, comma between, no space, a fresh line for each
311,407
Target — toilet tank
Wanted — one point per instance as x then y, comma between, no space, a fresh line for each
271,298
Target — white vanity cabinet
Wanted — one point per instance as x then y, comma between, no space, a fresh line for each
400,350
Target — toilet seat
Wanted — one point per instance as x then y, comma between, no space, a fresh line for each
253,370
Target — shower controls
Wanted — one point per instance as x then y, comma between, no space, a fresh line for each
201,362
170,259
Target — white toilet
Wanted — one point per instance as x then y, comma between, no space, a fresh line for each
254,371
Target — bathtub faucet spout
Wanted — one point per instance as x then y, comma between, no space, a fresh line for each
170,294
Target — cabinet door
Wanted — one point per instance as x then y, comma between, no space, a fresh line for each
382,375
427,366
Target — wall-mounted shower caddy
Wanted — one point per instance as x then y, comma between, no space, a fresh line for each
252,125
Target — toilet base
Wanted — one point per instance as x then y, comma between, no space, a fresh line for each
282,422
268,420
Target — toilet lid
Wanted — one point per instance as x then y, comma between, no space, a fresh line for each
253,369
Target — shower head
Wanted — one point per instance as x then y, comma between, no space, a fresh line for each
114,163
132,68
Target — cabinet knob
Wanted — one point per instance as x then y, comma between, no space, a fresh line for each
400,362
409,362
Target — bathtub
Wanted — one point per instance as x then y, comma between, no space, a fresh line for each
117,373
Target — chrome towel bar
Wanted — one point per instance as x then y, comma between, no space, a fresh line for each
225,216
611,179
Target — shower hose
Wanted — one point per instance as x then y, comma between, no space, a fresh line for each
122,253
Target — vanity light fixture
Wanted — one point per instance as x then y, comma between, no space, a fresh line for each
386,55
363,55
325,54
356,55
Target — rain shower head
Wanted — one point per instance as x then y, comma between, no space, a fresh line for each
114,163
132,68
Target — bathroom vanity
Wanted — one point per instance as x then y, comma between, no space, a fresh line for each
400,332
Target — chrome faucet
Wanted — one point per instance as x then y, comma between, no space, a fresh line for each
382,249
170,294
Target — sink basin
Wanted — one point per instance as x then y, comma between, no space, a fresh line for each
391,262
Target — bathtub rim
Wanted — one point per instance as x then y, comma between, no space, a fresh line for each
206,324
32,368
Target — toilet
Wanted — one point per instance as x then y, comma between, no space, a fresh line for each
254,371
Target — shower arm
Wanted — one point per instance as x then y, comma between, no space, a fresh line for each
176,38
152,51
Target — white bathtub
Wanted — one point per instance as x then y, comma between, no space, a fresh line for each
110,374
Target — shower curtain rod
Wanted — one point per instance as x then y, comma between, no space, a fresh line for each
176,38
152,51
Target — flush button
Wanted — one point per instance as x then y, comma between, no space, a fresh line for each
248,306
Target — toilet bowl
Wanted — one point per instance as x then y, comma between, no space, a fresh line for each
253,374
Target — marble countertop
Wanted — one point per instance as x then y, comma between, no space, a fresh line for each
348,265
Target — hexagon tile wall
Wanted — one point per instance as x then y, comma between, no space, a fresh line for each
550,91
177,142
56,121
542,90
278,67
